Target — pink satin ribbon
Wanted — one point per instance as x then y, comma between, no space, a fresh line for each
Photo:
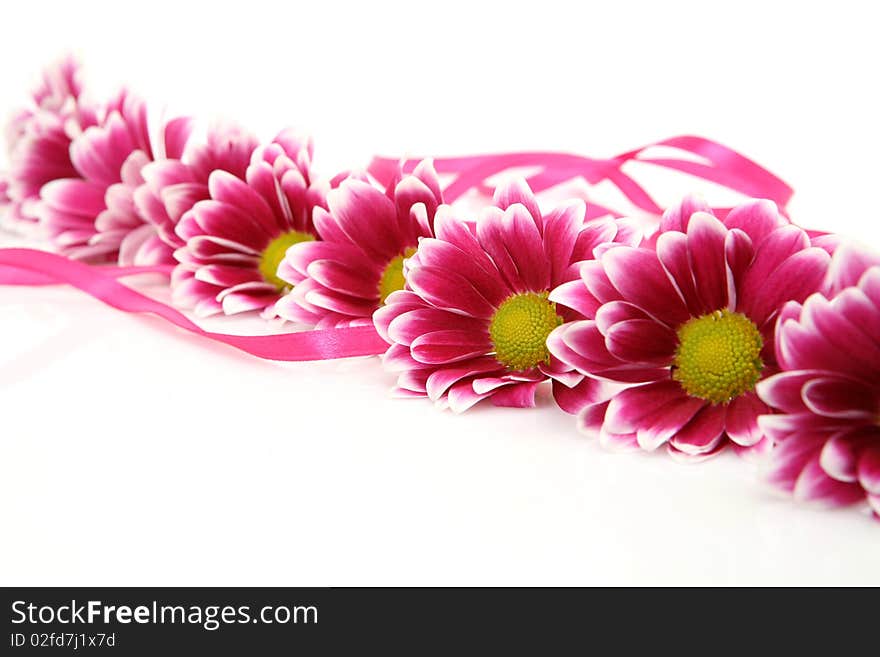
723,166
33,267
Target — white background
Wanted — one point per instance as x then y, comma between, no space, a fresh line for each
132,454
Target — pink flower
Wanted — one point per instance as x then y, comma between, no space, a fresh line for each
92,215
234,241
39,136
687,322
365,237
473,320
827,434
173,186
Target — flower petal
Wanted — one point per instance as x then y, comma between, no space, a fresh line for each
640,278
703,433
449,346
741,422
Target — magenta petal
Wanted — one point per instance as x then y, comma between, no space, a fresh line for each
781,244
869,469
592,417
181,197
597,283
789,457
706,236
781,427
396,304
840,455
585,343
825,340
641,341
561,229
690,458
229,190
742,419
703,433
575,296
443,254
449,291
676,218
594,234
409,326
340,303
523,242
783,391
410,192
814,484
517,190
794,280
461,397
629,407
665,422
176,134
575,399
72,195
343,278
618,311
861,312
738,253
672,251
399,359
838,398
441,380
461,234
849,263
640,278
239,302
226,276
520,395
851,326
757,219
367,217
413,380
448,346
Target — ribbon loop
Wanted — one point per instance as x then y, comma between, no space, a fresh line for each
722,165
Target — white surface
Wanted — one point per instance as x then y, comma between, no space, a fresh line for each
131,454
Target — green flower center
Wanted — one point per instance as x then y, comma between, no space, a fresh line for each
392,278
519,330
274,253
718,356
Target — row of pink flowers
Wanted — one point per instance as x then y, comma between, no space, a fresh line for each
743,331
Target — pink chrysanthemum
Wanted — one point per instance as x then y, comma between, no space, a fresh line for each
473,320
827,435
173,186
687,322
92,216
365,237
39,137
235,240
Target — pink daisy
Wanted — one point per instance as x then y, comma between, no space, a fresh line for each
365,237
173,186
234,241
473,320
92,216
687,322
39,137
827,435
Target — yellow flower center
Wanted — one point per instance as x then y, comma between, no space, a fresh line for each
520,327
274,253
718,356
392,278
